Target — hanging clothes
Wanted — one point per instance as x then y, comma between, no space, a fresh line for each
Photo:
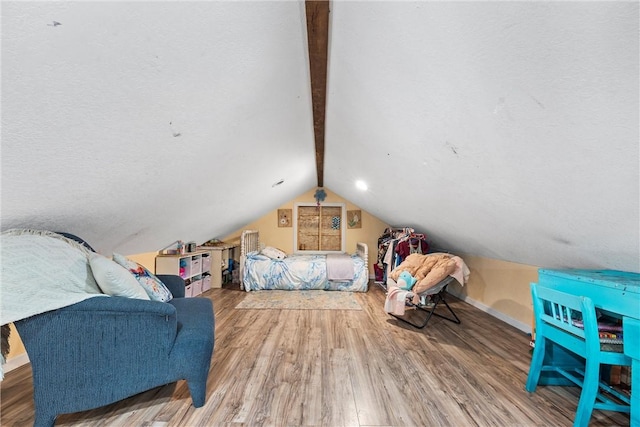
412,245
394,245
387,242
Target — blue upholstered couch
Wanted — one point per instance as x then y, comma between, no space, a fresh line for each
102,350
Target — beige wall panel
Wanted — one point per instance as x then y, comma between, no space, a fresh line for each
15,344
148,260
501,286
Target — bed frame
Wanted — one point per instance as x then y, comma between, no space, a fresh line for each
250,242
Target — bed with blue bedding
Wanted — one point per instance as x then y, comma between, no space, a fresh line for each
330,272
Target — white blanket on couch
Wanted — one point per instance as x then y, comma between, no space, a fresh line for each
42,271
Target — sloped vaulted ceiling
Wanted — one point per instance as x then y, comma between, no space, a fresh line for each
135,124
502,129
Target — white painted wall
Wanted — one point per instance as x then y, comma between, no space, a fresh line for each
506,130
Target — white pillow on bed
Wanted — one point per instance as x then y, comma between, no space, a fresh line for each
273,253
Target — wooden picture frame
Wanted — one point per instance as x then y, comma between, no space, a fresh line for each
354,219
284,217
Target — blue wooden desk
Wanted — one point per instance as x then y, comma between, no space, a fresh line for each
618,294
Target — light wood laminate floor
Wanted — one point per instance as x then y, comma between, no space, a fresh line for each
341,368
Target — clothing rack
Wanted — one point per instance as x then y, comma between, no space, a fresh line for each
395,244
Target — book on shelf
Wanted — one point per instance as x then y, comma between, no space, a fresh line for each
610,340
603,325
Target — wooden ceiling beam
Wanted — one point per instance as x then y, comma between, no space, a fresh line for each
317,12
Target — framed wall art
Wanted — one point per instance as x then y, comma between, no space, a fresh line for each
284,217
354,219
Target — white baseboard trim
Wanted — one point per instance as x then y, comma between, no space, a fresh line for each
501,316
15,362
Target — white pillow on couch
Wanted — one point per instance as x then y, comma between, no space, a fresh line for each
114,279
153,286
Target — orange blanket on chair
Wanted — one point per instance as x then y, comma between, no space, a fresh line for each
428,269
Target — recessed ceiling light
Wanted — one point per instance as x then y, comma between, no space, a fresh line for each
361,185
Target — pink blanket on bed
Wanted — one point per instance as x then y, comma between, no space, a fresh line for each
339,267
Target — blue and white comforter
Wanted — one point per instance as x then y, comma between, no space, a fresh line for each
299,272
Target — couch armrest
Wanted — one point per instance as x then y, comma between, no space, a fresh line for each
117,325
101,304
174,283
123,343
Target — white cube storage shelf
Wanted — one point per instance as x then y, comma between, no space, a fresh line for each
206,282
219,262
193,267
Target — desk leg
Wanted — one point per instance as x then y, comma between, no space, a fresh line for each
635,394
631,334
